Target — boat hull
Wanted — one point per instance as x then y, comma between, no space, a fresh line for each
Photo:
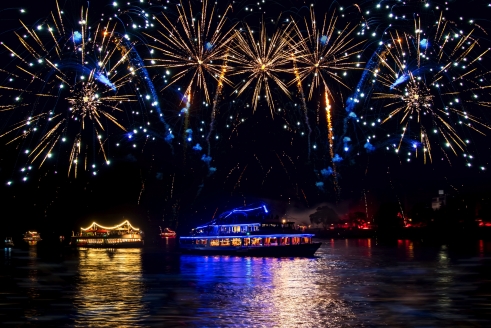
302,250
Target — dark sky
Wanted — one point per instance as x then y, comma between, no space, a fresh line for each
257,155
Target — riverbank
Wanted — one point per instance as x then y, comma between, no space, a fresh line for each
425,234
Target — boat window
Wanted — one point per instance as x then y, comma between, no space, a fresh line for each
247,241
236,241
225,242
295,240
306,240
267,241
274,241
285,241
214,242
256,241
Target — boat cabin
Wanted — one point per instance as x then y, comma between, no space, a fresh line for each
118,235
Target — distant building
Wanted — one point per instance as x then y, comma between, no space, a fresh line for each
438,202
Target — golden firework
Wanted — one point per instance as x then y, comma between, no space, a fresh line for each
66,83
196,47
261,60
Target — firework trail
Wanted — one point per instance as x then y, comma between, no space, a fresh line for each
67,85
431,80
142,71
304,104
330,136
215,104
134,18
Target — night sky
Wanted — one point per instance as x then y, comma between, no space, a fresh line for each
255,155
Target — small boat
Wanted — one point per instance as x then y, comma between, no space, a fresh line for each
32,237
249,231
9,242
118,236
167,233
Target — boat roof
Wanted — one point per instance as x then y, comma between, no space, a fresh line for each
243,213
96,226
258,208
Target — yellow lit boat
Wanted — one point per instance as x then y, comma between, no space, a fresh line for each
96,235
32,238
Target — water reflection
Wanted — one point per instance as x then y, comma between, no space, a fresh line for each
31,283
249,291
349,283
407,246
110,287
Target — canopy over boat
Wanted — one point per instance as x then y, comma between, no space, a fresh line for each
124,226
257,212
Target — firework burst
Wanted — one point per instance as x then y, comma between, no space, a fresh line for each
262,60
67,85
323,53
196,47
319,54
433,81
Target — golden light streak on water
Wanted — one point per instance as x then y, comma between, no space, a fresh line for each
106,294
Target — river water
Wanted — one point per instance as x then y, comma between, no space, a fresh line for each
350,283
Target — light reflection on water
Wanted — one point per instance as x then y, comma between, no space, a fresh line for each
109,288
349,283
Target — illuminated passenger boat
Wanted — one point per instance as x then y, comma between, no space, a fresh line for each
32,237
249,231
9,242
121,235
167,233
